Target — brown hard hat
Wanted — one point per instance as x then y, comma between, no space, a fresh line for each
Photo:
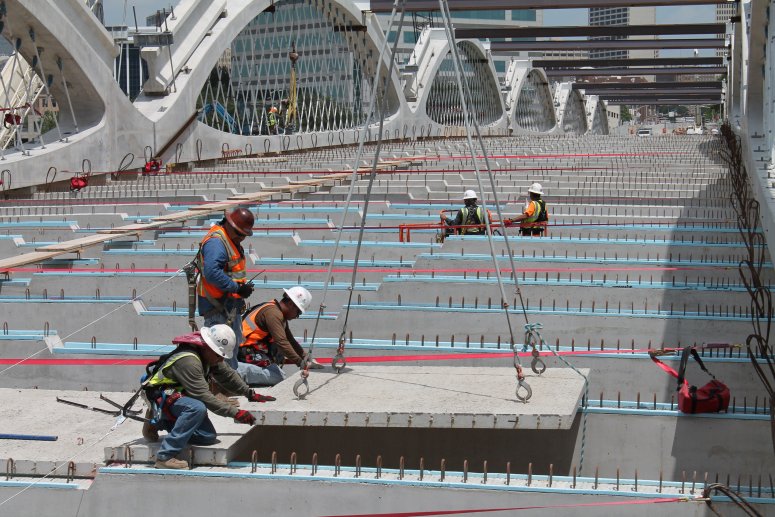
242,220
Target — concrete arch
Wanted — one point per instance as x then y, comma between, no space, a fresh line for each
597,119
433,95
571,114
76,51
202,55
529,100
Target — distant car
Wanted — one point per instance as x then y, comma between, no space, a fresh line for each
645,132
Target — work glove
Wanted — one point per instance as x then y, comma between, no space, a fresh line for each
254,396
245,417
245,290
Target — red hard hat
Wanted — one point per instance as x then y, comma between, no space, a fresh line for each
242,220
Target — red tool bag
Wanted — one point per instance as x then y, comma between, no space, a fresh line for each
710,398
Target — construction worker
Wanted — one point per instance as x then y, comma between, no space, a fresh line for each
179,394
269,342
222,286
272,121
468,216
533,220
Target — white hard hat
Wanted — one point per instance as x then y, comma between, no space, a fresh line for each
220,339
469,194
536,188
300,297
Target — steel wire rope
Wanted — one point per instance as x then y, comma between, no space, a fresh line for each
174,275
353,180
447,20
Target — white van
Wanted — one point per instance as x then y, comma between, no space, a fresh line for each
645,132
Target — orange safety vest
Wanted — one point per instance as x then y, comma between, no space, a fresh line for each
256,337
235,267
539,216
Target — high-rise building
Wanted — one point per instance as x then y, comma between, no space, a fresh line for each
620,17
723,13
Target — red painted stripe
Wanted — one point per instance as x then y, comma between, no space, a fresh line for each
326,360
515,508
406,271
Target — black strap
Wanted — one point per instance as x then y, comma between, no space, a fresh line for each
687,351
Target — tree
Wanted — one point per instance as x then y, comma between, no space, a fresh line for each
48,122
625,114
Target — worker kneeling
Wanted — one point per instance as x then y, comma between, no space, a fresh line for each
269,342
179,394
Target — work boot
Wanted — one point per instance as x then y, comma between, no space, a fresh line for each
150,432
172,463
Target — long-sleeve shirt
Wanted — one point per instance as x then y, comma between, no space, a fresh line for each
272,320
214,260
190,374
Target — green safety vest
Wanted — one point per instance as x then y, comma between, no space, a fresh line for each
540,212
464,220
272,119
160,380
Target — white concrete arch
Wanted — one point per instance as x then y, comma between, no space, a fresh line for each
571,114
597,118
529,100
430,87
102,124
228,19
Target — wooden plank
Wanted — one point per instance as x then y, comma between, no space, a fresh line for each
77,244
28,258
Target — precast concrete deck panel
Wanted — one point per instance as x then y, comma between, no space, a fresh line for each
430,396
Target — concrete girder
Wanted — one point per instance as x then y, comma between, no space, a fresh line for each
529,100
640,72
381,6
619,63
591,31
521,46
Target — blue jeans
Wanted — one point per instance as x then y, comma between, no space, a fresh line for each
216,318
254,375
192,426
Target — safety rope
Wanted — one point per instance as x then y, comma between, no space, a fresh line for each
174,275
470,119
362,134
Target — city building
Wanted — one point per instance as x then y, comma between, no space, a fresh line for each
723,14
618,17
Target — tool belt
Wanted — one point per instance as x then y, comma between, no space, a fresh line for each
162,401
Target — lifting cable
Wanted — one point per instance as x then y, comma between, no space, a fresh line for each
532,334
339,361
468,120
735,497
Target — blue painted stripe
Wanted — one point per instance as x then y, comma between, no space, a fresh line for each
583,260
675,413
69,299
28,484
40,224
637,313
588,240
161,311
25,335
369,244
326,474
624,284
15,282
300,261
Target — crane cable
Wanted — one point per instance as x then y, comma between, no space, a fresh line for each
340,361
